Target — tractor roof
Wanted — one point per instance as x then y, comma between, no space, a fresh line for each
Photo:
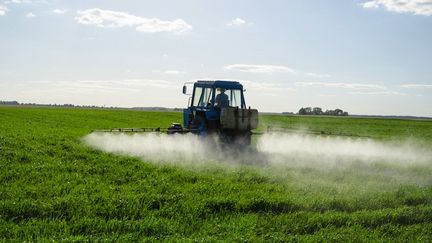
219,84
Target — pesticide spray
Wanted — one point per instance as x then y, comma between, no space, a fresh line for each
295,147
153,147
333,149
278,151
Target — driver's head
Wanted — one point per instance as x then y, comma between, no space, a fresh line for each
222,90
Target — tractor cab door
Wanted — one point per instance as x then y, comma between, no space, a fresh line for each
202,98
201,111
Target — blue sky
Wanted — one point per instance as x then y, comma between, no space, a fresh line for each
366,57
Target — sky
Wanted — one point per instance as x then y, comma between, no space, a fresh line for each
371,57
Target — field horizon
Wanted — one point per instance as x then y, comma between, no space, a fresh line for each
175,109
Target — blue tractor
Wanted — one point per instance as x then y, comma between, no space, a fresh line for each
218,108
215,108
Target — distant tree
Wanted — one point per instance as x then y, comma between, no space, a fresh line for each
9,102
302,111
317,111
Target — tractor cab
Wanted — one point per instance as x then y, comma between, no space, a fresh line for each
218,107
208,95
207,101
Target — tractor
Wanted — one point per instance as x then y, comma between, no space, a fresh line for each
215,108
218,108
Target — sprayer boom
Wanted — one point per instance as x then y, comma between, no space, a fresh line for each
174,128
280,130
143,129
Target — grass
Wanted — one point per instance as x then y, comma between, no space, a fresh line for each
54,187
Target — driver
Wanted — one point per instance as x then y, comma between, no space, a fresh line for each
221,99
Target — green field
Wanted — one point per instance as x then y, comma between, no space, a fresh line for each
55,187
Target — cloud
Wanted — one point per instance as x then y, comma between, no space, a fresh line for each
253,85
387,92
17,1
106,86
417,7
170,72
60,11
26,2
318,75
3,10
341,85
249,68
267,86
125,92
417,86
237,22
30,15
358,89
107,18
252,68
174,72
371,4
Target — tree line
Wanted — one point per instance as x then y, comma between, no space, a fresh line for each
319,111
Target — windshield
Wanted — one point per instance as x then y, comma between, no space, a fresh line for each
202,97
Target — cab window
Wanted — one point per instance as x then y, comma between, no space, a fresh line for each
235,97
202,97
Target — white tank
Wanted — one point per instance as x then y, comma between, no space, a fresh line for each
239,119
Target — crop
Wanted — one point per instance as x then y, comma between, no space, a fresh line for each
55,187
